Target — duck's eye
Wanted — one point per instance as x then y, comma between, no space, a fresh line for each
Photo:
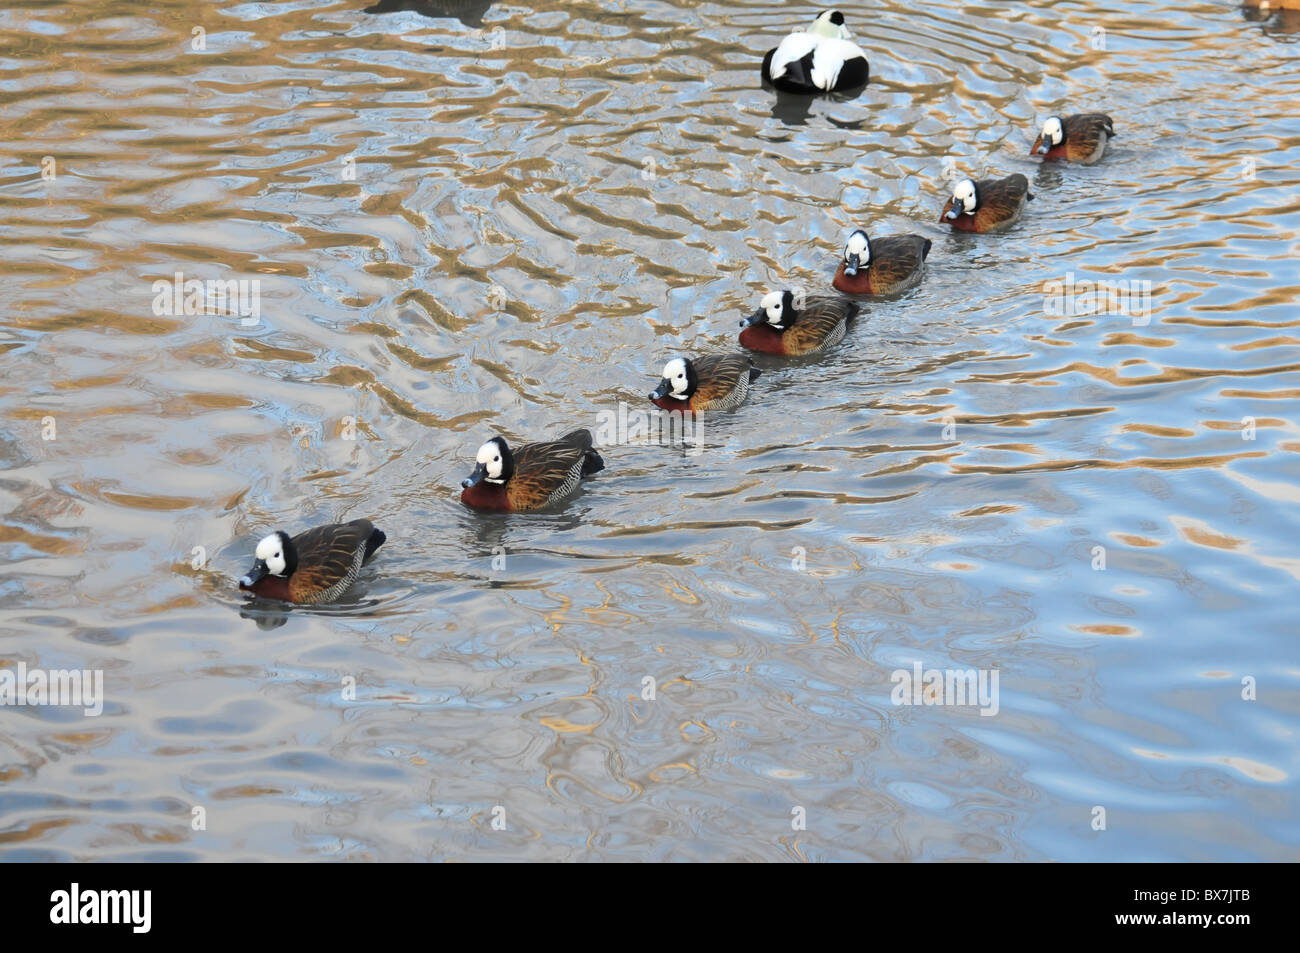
496,459
277,555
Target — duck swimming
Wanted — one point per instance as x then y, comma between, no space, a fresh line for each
988,205
712,382
535,476
779,327
881,266
312,567
822,60
1081,138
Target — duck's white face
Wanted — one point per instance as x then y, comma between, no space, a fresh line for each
830,24
1052,131
858,246
675,374
963,196
489,455
271,551
773,307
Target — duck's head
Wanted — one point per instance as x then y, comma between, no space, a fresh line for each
1053,135
965,199
857,252
776,309
679,380
830,24
275,556
493,463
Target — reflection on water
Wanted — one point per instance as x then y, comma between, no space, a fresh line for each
458,231
468,12
1277,22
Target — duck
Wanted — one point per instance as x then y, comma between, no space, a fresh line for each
535,476
779,327
1080,138
316,566
881,267
821,60
988,205
711,382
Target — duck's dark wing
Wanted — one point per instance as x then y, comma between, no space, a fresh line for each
592,462
896,259
719,375
854,73
544,469
330,557
1087,127
820,324
1000,202
1004,195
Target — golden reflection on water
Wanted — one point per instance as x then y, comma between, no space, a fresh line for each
504,219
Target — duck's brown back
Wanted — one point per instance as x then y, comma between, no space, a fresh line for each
329,560
821,324
1000,201
896,262
1086,135
723,381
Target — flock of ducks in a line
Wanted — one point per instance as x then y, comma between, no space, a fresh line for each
321,564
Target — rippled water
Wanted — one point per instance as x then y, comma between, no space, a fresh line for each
507,222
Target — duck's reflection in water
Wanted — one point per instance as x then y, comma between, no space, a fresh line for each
1276,19
468,12
793,109
264,618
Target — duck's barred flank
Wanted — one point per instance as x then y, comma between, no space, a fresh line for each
340,587
732,400
562,492
822,341
724,381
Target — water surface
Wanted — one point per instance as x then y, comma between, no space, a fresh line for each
504,219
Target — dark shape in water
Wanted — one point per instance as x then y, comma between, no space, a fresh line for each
794,109
1277,18
468,12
